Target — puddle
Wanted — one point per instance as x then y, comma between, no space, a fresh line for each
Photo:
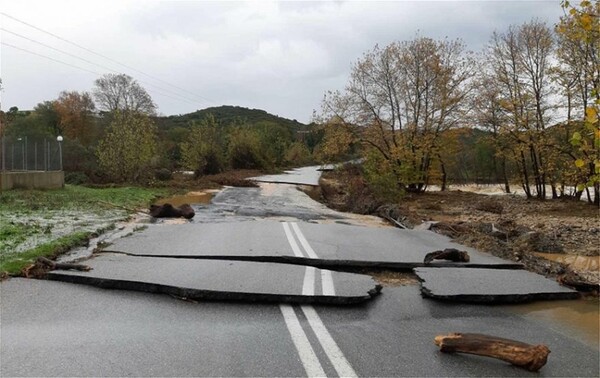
579,263
575,318
189,198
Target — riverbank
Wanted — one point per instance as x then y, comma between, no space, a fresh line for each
556,238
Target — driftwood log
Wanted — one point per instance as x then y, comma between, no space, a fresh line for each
451,254
530,357
168,211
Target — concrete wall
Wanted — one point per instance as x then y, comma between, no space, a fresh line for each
32,180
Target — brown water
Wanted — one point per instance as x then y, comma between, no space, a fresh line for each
189,198
585,263
579,319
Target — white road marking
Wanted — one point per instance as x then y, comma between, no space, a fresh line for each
307,355
308,287
309,359
309,251
291,240
339,362
327,282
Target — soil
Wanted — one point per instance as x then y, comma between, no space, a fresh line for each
532,232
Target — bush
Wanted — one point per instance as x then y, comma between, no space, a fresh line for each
76,178
163,174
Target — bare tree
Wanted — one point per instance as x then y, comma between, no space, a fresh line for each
520,61
123,93
403,97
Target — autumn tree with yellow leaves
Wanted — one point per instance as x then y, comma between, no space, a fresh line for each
579,52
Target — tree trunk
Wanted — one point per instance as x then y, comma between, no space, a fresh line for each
525,177
505,176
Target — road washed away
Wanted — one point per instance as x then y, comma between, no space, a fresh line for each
275,244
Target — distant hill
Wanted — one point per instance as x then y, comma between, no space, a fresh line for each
227,115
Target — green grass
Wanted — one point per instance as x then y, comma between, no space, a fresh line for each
24,215
77,197
14,265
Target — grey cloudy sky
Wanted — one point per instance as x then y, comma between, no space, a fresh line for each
276,56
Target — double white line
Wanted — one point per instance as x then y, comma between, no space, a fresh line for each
308,288
308,357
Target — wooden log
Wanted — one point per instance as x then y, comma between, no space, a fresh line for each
450,254
530,357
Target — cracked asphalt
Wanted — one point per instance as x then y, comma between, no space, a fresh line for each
50,328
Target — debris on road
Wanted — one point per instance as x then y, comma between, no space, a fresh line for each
43,265
451,254
168,211
530,357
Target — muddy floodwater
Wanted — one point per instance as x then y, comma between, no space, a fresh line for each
579,318
189,198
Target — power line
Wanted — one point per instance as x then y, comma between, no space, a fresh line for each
80,68
93,63
102,56
47,57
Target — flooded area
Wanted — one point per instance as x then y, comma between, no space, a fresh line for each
51,225
579,318
190,198
575,262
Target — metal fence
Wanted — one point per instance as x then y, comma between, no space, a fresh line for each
30,154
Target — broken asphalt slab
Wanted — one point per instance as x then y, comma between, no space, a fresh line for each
299,176
489,285
223,280
332,245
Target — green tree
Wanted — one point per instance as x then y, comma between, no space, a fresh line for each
244,150
128,149
203,149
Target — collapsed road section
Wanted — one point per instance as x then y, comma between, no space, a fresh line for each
223,280
489,285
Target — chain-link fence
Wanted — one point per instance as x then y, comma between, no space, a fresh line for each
30,154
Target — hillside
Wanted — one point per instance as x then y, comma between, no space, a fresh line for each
226,115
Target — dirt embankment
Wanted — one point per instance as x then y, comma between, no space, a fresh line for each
557,238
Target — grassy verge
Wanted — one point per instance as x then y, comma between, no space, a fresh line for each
15,264
32,222
77,197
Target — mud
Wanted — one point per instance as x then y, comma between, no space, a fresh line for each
189,198
573,317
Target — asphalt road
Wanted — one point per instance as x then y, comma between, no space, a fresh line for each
62,329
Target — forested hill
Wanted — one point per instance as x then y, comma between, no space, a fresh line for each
226,115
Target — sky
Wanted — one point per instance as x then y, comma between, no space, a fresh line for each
277,56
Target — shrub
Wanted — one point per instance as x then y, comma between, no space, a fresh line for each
163,174
76,178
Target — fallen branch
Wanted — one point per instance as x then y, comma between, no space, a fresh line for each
530,357
450,254
53,265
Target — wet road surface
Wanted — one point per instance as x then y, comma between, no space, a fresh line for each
60,329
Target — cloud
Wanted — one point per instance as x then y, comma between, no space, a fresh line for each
280,57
